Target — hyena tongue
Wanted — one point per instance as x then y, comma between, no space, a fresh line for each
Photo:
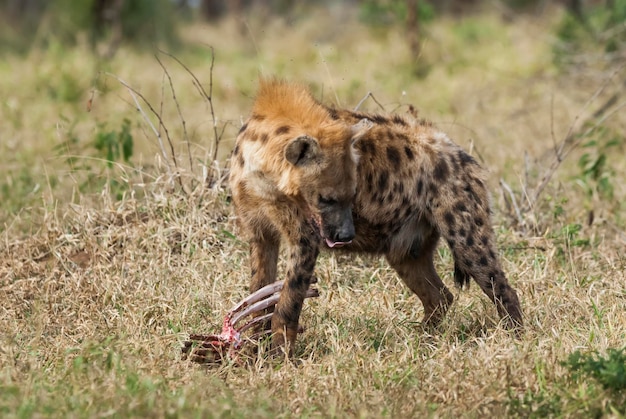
331,244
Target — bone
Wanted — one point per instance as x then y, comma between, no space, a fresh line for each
255,320
258,295
256,307
311,293
262,293
264,304
213,348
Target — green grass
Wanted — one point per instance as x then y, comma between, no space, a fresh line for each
109,259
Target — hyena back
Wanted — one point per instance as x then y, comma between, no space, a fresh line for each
309,176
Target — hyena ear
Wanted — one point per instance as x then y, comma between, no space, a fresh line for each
359,129
302,150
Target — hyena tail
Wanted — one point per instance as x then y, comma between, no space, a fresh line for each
462,215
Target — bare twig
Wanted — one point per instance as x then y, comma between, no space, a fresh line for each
595,125
216,137
573,138
358,105
180,113
208,96
161,125
330,79
134,94
368,95
526,172
518,213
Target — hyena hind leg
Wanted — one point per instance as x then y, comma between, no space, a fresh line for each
475,256
463,219
494,283
418,272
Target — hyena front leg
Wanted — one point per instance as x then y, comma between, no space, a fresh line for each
303,250
264,251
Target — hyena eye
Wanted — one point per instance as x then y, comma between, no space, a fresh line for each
326,200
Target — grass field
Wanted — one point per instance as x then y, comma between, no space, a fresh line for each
109,259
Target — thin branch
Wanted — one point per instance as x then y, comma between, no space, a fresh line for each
368,95
216,136
526,176
207,96
180,113
134,94
560,154
161,103
508,189
358,105
596,124
330,78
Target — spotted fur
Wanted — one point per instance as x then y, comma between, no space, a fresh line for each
310,176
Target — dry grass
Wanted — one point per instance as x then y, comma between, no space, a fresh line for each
97,293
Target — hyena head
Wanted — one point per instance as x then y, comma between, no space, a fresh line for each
326,175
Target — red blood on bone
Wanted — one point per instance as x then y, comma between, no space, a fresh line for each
229,341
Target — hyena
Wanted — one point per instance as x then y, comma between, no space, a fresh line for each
310,176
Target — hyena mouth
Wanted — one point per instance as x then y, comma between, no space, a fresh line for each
332,244
317,223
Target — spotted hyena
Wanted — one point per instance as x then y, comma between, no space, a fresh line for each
309,176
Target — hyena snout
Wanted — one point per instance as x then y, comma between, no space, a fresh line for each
338,228
346,232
